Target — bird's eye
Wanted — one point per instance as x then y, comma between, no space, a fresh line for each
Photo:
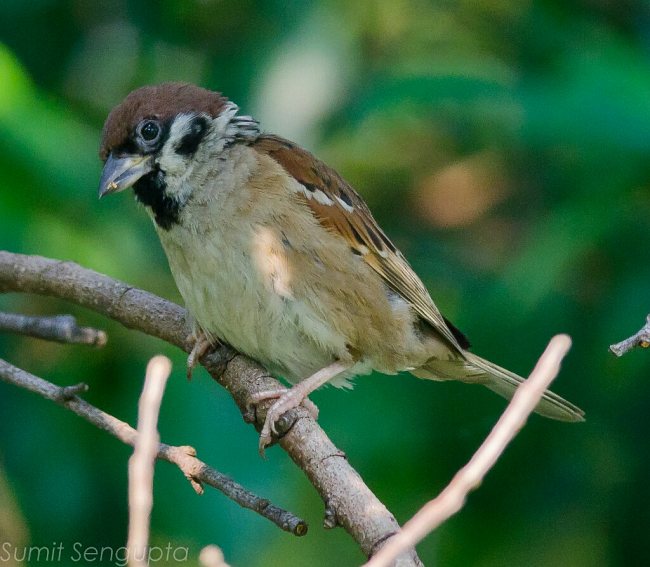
149,130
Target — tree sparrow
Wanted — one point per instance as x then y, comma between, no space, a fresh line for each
277,255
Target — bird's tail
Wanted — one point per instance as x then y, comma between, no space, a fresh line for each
476,370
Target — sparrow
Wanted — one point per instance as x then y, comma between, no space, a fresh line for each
275,254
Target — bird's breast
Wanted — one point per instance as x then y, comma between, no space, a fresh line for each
240,286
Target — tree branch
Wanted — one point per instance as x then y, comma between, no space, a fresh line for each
60,328
453,497
347,498
195,470
640,338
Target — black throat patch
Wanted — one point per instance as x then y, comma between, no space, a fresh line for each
150,191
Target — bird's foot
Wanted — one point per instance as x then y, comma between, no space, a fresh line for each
292,398
201,345
287,399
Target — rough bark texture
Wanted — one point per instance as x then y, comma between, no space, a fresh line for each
60,328
639,339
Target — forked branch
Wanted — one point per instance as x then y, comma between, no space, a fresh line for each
195,470
349,501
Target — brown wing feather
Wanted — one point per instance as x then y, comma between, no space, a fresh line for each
350,217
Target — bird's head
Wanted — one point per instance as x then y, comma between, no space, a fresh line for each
151,140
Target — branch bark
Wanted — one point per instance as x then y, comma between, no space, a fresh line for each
346,497
60,328
640,338
195,470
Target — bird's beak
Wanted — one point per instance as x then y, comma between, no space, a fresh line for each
121,173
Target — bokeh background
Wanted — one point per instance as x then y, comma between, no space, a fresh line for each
503,145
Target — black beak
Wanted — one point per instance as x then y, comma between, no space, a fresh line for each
121,173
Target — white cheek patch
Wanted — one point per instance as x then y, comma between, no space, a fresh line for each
222,129
169,160
179,167
176,166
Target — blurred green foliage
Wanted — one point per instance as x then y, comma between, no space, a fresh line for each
504,146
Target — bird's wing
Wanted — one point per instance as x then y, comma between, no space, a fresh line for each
339,208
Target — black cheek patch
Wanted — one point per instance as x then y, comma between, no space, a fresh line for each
190,142
150,191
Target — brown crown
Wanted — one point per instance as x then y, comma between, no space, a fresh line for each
160,102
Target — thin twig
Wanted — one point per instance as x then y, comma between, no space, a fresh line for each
354,505
195,470
59,328
141,463
453,497
640,338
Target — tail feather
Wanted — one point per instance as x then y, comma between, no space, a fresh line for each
475,369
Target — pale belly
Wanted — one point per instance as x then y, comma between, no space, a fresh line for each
234,297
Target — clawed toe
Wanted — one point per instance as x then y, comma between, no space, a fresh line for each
269,430
266,437
285,401
201,346
255,399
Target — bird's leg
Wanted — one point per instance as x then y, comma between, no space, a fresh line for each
293,397
264,395
201,345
